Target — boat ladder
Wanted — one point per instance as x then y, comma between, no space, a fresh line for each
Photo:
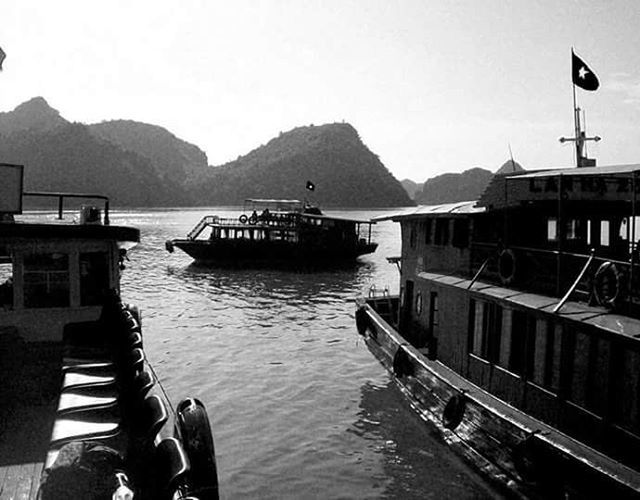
204,222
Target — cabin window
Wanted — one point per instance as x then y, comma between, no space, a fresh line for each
6,281
523,326
460,233
553,343
412,236
433,311
442,232
574,229
604,233
427,227
46,280
94,277
541,354
419,303
486,326
552,229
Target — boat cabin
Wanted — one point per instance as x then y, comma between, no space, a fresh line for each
55,273
532,293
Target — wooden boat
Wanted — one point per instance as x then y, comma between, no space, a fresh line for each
277,232
517,329
83,414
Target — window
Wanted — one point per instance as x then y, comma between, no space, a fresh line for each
552,229
522,326
46,280
6,281
428,224
460,233
604,233
486,327
419,303
94,277
573,229
442,232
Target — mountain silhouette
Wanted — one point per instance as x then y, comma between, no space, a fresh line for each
141,165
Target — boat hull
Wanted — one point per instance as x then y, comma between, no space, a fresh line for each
264,252
514,451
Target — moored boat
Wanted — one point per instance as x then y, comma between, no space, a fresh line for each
516,332
276,232
83,413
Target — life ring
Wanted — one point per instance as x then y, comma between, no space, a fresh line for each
402,365
527,461
507,266
454,411
243,219
609,288
194,430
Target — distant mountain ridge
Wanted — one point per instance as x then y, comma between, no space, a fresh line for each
138,164
465,186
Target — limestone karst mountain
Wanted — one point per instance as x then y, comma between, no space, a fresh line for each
140,164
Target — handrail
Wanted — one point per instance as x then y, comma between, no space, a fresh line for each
575,283
61,196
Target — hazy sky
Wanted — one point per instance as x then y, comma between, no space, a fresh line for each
431,86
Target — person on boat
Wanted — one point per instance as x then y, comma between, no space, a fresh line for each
264,216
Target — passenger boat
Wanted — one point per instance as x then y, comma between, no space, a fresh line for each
516,332
276,232
83,414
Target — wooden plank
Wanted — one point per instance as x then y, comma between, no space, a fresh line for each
35,483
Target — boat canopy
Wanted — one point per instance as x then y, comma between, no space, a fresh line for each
461,207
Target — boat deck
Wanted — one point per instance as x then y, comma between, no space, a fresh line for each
29,400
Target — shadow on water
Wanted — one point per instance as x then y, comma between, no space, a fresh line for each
416,461
317,285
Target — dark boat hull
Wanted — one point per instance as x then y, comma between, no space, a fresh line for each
264,252
518,453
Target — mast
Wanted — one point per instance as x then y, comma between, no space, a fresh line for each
580,136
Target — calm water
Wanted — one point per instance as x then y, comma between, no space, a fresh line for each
299,407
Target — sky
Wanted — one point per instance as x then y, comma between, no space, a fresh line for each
431,86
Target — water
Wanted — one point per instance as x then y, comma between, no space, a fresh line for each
299,406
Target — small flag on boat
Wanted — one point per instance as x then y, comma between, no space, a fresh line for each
582,75
2,56
311,186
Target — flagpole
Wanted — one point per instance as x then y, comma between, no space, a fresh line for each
576,118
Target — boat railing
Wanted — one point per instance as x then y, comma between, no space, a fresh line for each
554,272
199,227
62,196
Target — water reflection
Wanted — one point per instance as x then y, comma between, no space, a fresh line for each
415,463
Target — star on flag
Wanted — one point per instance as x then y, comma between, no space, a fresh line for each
582,75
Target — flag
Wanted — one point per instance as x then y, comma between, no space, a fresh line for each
311,186
582,75
2,56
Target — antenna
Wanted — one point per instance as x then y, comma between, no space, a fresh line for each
513,163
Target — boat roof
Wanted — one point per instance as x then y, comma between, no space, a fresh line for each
272,201
51,230
585,171
580,312
460,207
612,183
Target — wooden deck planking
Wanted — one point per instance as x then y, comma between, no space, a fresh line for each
20,482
